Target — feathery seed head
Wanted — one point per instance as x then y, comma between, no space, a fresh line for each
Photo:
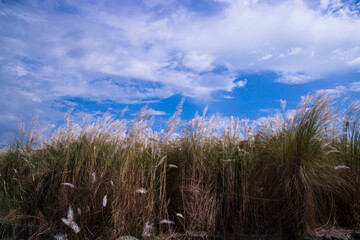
104,202
141,190
166,221
67,184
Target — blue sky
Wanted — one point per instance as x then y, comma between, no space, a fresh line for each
238,57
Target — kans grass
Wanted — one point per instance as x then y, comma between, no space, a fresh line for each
295,173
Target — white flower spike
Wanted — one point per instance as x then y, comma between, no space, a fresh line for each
67,184
141,190
104,203
166,221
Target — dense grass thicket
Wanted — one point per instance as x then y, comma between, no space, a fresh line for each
295,173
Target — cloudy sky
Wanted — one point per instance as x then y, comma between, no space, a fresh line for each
239,57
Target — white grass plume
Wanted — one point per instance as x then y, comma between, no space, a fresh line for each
127,238
60,236
71,224
172,166
173,123
161,161
166,221
69,220
93,175
147,229
104,202
341,167
67,184
141,190
227,160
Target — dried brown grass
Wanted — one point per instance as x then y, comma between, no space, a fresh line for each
211,179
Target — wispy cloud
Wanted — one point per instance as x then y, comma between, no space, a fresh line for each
200,62
355,86
228,97
294,51
337,91
354,62
155,112
266,57
341,90
269,110
94,40
241,83
295,78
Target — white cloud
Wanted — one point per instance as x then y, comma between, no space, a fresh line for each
241,83
295,78
8,117
150,111
266,57
20,71
200,62
354,62
268,110
355,86
157,113
295,51
31,96
135,42
339,7
341,90
336,92
228,97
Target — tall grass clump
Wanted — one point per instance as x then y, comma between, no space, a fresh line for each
204,186
349,156
291,175
98,172
294,178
